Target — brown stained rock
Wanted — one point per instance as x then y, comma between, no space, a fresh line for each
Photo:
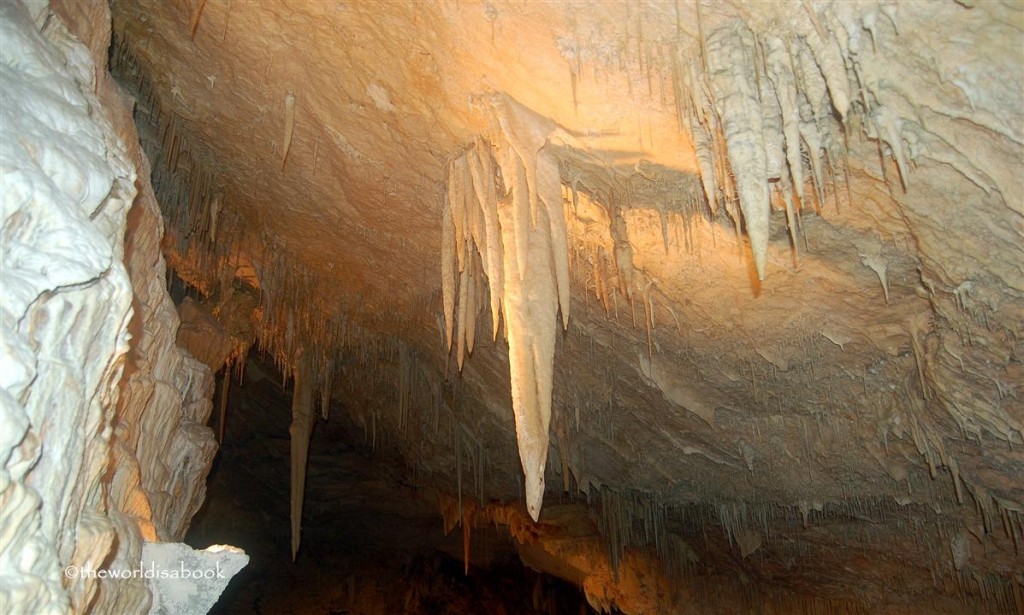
202,335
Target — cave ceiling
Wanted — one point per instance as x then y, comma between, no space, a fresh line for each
855,360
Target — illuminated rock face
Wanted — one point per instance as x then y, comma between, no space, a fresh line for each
103,443
785,241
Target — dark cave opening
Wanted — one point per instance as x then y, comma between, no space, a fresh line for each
371,543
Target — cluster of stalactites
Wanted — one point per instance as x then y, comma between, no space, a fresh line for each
756,108
207,234
504,229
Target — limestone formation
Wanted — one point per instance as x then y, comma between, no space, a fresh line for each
758,268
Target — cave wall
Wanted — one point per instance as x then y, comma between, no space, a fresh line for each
103,438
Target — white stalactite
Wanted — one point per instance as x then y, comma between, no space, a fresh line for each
526,133
780,71
512,168
448,269
520,242
829,58
289,126
771,121
481,168
472,304
460,335
809,80
730,62
701,128
530,311
457,203
549,188
300,431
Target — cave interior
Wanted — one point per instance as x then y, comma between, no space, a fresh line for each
633,306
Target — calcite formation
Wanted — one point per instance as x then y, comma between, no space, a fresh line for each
753,275
102,417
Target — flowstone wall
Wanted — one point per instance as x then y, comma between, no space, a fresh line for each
102,437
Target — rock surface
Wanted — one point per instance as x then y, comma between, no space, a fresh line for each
103,442
186,581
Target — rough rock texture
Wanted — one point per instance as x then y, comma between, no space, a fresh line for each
103,437
186,581
67,186
796,263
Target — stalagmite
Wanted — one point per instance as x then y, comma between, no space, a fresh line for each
300,431
289,126
731,54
